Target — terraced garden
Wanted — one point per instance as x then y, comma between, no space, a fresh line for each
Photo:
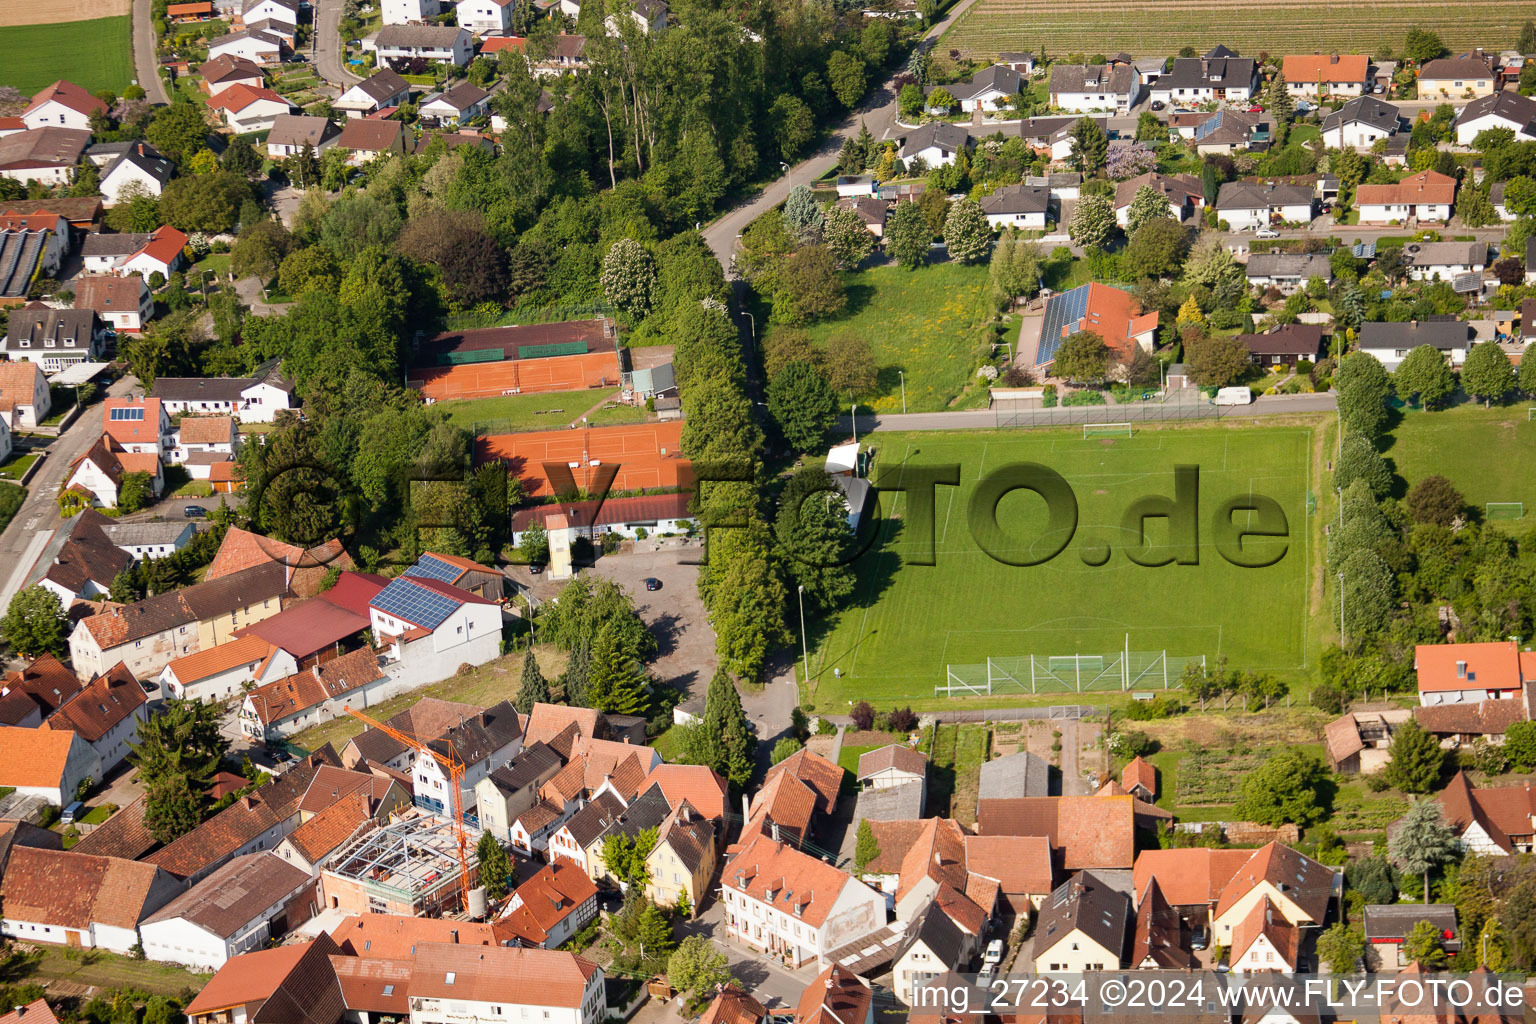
1248,26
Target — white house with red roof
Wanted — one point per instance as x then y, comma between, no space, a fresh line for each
140,425
161,254
783,902
62,105
431,627
223,670
249,109
1472,673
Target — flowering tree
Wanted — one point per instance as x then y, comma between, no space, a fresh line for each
1129,161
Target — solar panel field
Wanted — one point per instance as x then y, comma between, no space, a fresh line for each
908,621
1248,26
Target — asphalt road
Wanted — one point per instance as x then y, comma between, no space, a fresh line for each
38,517
325,51
145,66
878,113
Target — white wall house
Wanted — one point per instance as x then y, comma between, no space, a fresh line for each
457,627
221,672
405,12
781,901
1360,124
1246,206
485,17
62,105
79,900
490,985
58,760
257,47
432,42
203,927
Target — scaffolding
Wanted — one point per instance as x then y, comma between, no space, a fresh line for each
414,860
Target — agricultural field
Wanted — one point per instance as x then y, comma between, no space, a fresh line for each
1247,26
95,54
1475,448
926,323
908,624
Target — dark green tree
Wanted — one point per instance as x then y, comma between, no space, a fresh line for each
1423,946
801,402
1487,374
618,684
495,868
1082,357
866,847
1417,759
1284,790
1341,948
179,752
577,674
1372,878
1359,460
1362,387
815,538
35,624
1424,377
134,492
1435,499
732,744
907,235
1422,45
1090,146
1423,842
533,689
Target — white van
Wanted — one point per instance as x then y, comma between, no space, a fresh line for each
1234,396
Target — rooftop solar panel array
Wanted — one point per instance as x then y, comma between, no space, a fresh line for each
1208,126
434,569
419,606
1062,314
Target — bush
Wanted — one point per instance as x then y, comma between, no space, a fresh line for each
1164,706
1084,398
902,720
1048,398
1131,743
1329,698
863,715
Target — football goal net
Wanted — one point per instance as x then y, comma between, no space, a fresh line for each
1530,413
1505,510
1107,429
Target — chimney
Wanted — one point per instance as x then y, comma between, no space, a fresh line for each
454,935
775,831
744,808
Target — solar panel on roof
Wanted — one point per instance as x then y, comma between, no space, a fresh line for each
433,569
1061,314
417,605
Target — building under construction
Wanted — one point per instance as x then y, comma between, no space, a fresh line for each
408,867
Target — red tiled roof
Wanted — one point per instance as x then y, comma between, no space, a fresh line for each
239,96
500,974
545,900
42,686
835,996
122,835
327,681
164,245
307,567
35,1012
798,879
33,757
1424,187
1495,665
1139,772
824,777
394,937
1092,831
1264,919
495,44
333,826
893,755
207,429
144,431
1020,864
71,96
894,839
1188,877
245,650
733,1006
105,702
701,786
1305,882
1330,69
74,890
307,628
546,721
937,852
785,801
1503,812
291,984
364,982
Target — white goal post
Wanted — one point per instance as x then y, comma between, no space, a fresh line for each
1504,510
1117,429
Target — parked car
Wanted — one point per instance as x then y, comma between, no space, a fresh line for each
70,813
652,583
994,953
1158,104
1266,233
1257,108
535,569
194,512
1234,396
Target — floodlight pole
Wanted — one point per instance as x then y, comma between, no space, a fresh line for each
1341,608
903,375
854,419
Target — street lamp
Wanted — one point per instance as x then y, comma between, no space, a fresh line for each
902,374
1341,609
752,318
854,419
805,651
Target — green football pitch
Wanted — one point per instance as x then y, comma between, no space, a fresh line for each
907,623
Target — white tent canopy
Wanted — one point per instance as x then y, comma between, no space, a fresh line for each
77,373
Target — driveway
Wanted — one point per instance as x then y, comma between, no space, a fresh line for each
326,52
773,985
38,517
674,614
145,64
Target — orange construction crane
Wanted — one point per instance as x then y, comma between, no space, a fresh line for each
455,784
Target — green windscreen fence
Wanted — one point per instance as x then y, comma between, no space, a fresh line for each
556,348
490,355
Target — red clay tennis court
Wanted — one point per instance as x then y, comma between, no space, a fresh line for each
646,454
516,376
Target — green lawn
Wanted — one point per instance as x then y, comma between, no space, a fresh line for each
95,54
926,323
1248,26
906,623
541,410
109,970
1476,449
956,755
15,467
